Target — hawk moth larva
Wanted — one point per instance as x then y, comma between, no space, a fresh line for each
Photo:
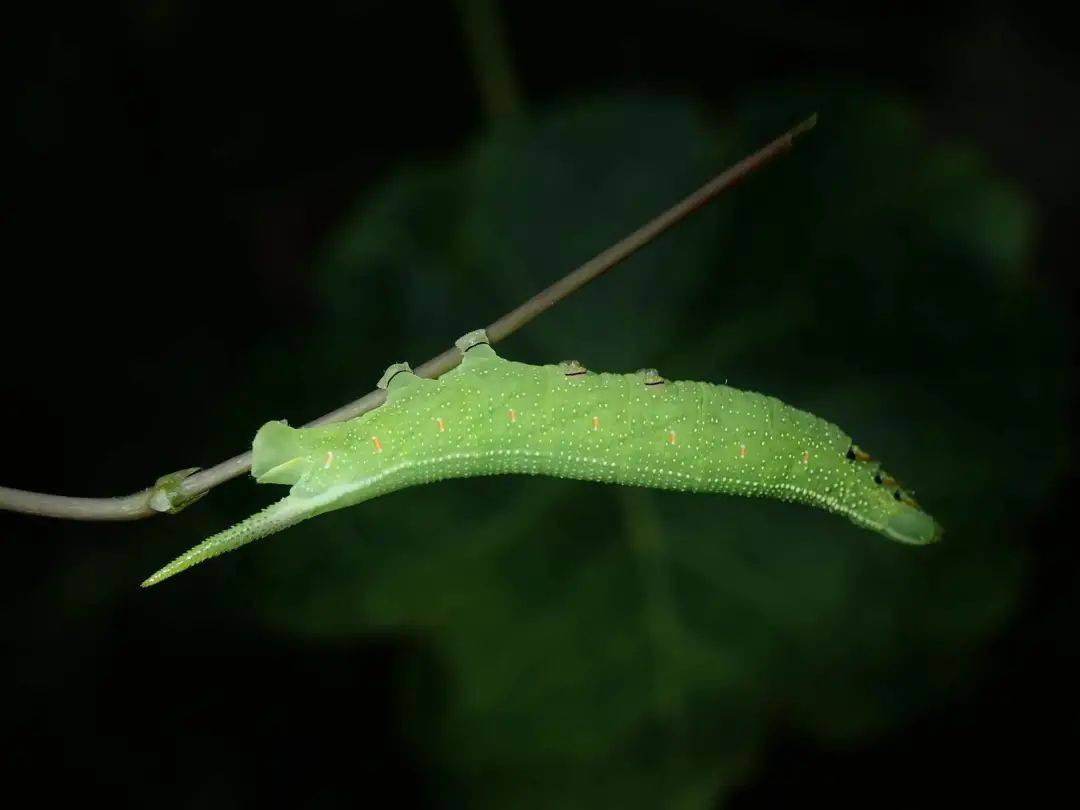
492,416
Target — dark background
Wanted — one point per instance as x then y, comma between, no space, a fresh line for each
218,215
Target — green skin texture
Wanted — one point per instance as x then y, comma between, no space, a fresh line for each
491,416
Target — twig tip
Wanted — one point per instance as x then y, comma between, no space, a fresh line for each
805,126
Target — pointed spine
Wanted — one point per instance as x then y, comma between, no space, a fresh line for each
274,518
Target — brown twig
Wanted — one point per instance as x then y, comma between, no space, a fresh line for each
173,492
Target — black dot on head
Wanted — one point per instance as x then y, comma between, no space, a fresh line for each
896,494
877,478
851,453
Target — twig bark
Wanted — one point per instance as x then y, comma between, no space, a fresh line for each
173,492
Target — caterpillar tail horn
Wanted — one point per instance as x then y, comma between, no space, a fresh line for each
274,518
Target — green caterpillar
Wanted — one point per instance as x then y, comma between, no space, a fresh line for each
491,416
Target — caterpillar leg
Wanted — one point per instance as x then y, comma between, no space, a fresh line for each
474,344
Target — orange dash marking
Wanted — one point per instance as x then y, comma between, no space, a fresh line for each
742,451
671,437
441,424
377,443
512,414
596,423
805,457
329,459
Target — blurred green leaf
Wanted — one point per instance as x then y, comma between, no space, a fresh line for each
603,645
